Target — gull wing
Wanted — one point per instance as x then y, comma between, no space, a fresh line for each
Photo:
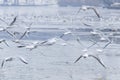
10,33
3,62
98,15
107,45
78,11
6,43
23,34
62,35
44,42
98,60
14,20
78,59
23,60
3,21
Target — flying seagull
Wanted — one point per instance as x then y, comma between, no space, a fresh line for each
89,8
8,59
88,55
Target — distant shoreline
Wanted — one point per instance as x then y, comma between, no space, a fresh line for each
26,5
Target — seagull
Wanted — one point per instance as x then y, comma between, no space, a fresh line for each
89,8
8,59
88,55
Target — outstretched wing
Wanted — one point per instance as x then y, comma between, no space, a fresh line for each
23,34
3,21
44,42
98,15
62,35
78,11
10,33
78,59
14,20
6,43
2,63
23,60
98,60
20,46
107,45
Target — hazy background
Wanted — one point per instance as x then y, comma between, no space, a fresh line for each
87,2
102,3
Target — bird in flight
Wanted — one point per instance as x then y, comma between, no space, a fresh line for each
88,55
8,59
89,8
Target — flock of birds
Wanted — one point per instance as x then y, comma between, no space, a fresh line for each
52,41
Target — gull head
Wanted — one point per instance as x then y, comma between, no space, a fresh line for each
102,39
85,55
84,8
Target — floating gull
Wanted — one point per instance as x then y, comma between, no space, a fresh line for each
88,55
